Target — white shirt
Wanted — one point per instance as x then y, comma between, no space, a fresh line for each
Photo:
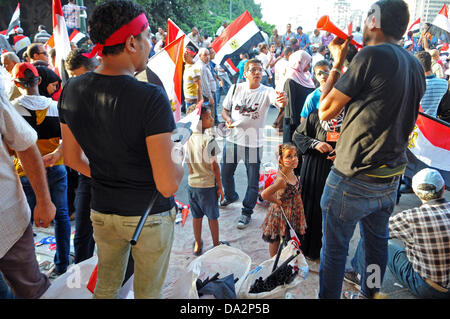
316,58
207,79
315,40
14,210
265,59
280,72
248,109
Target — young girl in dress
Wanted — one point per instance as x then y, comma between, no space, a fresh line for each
284,193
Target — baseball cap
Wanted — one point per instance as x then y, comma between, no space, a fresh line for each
428,176
25,73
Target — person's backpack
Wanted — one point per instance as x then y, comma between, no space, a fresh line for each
443,112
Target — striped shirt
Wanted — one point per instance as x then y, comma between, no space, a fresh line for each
436,88
71,13
425,231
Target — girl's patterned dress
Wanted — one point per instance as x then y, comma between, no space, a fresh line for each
275,225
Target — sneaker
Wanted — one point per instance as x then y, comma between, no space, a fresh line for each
227,202
353,295
354,278
243,222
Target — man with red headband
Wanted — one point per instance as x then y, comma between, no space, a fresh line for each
117,130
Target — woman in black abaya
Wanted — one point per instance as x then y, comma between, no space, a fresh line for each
316,141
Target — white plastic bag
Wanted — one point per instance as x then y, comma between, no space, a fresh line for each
73,283
222,259
265,269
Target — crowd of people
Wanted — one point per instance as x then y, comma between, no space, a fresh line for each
99,145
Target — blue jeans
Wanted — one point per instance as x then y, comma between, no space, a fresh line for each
345,202
402,269
232,155
57,183
83,241
5,292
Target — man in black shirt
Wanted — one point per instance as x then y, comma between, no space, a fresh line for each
117,130
381,90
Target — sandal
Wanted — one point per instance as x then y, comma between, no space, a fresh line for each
224,243
353,295
198,252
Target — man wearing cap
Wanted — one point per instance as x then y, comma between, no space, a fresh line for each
117,130
423,264
42,114
20,42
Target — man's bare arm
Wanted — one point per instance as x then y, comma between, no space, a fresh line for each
73,154
164,158
33,165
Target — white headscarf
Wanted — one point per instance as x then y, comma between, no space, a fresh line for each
296,66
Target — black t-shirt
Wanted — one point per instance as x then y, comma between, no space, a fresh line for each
110,117
385,83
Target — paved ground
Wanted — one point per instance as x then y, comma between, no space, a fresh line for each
249,240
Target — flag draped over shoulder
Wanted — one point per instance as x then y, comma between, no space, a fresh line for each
15,20
237,38
430,142
167,64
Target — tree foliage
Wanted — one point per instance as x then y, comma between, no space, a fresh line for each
206,15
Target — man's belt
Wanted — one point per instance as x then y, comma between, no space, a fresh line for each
436,286
380,180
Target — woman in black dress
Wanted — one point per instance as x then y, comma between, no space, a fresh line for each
315,140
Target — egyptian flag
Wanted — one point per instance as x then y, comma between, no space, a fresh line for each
350,28
415,27
77,37
61,39
237,38
441,25
292,233
430,142
15,20
174,32
167,64
231,67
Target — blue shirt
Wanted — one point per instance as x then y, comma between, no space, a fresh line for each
435,90
303,40
311,103
240,67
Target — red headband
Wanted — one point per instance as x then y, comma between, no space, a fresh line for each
134,28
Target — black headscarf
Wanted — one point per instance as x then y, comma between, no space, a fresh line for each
48,76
